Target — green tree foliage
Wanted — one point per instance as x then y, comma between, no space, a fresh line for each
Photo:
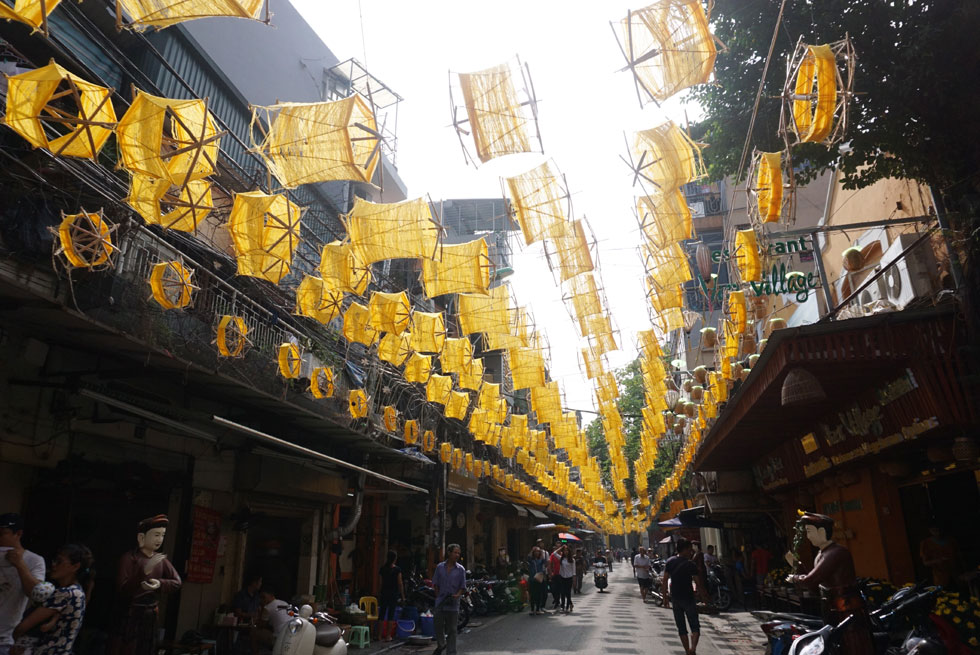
914,117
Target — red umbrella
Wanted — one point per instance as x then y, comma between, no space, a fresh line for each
565,536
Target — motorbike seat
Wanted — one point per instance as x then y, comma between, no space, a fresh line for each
327,634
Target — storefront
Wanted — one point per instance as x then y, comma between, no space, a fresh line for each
879,443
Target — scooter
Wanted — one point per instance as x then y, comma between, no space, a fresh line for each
600,576
309,634
718,591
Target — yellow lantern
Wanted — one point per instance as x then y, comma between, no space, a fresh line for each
428,441
86,240
231,339
391,418
411,431
321,382
289,360
357,400
170,284
445,452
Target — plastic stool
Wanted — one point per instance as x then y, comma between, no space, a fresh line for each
360,636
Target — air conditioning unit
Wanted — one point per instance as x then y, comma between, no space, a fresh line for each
308,362
910,277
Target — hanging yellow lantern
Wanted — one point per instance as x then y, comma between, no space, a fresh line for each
468,463
321,382
445,452
86,240
391,418
289,360
411,431
457,460
171,285
231,337
357,400
428,441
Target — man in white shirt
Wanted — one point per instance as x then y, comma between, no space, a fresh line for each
642,565
710,559
20,571
274,615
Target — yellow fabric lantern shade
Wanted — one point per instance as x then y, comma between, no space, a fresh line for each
163,13
390,312
470,464
666,157
489,397
592,362
84,131
546,402
539,202
319,141
322,382
583,294
191,205
411,431
170,284
183,130
265,233
668,46
461,268
318,300
418,367
428,441
289,360
526,368
390,417
459,402
457,459
456,355
668,266
813,110
445,452
438,388
340,267
737,310
394,348
496,117
357,403
472,377
231,336
747,256
30,12
86,240
769,186
665,217
572,255
357,325
487,314
428,333
662,299
401,230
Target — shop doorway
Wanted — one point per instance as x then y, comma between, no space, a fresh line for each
952,502
272,550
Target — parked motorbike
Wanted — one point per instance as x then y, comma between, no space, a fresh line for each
783,628
718,590
309,634
600,575
905,613
422,596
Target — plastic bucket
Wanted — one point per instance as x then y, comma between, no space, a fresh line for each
427,626
409,614
405,629
398,612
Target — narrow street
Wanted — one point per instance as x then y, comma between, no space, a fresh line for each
614,622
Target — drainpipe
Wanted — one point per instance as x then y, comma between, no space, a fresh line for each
818,247
344,530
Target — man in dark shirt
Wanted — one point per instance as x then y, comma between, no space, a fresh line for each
247,602
681,571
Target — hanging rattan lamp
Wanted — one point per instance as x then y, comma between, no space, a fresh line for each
801,387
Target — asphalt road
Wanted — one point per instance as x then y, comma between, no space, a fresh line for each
614,622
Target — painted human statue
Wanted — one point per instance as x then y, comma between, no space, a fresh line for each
833,574
145,574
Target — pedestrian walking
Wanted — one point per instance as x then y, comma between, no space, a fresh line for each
566,573
580,566
554,568
679,575
642,566
760,557
537,571
392,592
449,582
20,571
633,554
59,616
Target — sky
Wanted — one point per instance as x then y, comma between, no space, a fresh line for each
586,106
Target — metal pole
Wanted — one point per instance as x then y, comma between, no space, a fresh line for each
954,261
818,258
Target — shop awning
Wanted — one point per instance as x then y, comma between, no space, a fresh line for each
521,511
282,443
536,514
849,358
738,503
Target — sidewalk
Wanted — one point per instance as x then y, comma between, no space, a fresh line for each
735,632
476,624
